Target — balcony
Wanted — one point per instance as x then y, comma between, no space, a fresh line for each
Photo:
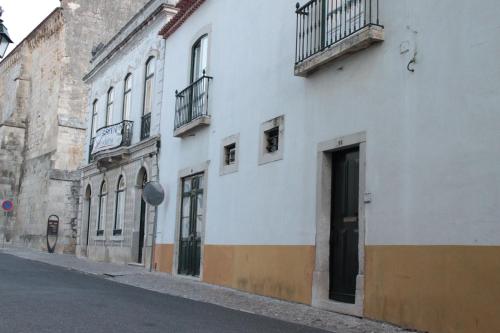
191,107
107,146
145,126
329,29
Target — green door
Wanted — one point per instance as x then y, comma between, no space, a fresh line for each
190,227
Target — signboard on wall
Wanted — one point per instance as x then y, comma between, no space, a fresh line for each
108,137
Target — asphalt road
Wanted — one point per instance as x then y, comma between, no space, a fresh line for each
36,297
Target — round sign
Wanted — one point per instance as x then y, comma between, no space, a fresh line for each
153,193
7,205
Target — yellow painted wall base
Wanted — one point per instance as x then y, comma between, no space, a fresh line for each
164,255
283,272
442,289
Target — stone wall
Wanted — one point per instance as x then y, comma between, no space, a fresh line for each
42,118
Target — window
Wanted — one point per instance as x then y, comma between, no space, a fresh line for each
229,154
119,207
101,216
93,124
109,107
199,58
271,140
127,97
148,86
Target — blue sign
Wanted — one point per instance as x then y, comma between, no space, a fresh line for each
7,205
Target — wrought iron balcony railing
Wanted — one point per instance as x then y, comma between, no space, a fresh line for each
145,126
322,23
192,102
112,136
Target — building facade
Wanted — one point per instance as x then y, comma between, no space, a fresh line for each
123,140
42,124
340,154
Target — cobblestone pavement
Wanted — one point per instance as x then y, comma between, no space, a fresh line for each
198,291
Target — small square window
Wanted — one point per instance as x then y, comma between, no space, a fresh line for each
229,154
271,140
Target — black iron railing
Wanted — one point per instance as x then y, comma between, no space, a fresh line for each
322,23
126,131
145,126
192,102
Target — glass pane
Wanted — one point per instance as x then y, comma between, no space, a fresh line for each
94,125
200,182
203,55
185,228
121,210
148,96
121,184
126,106
150,67
199,206
110,114
110,96
128,83
103,212
103,188
187,186
186,205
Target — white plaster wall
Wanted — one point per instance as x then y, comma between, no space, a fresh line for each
432,136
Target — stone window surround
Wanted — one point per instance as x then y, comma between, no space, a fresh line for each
264,155
229,168
321,274
196,169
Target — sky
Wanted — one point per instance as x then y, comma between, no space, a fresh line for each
22,16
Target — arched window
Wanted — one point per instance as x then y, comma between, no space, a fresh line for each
109,107
101,216
199,58
93,124
119,207
127,97
88,204
148,86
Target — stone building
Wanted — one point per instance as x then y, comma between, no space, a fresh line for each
342,154
43,118
124,104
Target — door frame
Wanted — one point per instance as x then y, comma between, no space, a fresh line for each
197,169
321,274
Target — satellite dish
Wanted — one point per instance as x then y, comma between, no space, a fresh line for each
153,193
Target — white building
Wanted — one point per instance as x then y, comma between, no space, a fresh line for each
126,79
367,183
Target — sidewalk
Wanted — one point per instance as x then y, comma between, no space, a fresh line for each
198,291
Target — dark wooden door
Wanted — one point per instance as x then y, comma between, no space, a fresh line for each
142,224
344,231
190,229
